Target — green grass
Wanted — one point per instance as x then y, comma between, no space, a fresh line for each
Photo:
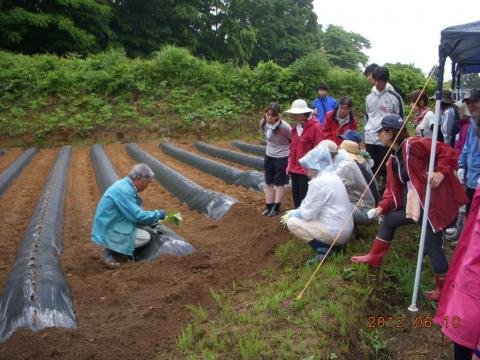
329,322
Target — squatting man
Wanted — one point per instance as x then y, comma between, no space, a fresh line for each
119,216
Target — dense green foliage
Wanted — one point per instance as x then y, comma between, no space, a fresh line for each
171,92
243,31
43,94
344,48
407,78
57,26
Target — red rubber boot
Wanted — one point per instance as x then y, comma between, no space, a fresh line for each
375,256
434,295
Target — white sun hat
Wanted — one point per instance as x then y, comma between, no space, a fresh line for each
299,106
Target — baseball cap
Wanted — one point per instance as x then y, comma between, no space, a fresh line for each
351,135
391,121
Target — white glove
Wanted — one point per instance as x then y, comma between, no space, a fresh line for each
461,175
372,213
284,218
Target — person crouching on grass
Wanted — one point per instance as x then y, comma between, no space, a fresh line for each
277,133
325,214
404,196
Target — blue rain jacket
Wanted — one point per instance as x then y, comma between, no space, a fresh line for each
470,158
117,216
323,106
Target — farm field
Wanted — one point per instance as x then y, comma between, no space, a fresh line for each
141,310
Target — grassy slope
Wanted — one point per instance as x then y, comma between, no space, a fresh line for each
330,322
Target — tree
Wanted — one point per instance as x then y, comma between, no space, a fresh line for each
57,26
143,26
471,81
286,30
406,78
344,48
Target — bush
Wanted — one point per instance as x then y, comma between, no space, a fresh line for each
45,94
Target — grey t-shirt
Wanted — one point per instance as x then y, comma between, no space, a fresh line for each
278,143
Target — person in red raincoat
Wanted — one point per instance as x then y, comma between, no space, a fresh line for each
339,120
404,196
459,308
306,134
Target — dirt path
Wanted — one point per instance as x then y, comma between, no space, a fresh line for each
192,149
10,156
208,181
137,311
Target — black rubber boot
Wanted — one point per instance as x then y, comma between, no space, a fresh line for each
109,260
321,249
275,210
268,208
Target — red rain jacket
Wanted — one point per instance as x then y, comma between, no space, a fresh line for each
300,145
332,129
445,199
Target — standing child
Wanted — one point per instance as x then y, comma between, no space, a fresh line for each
278,134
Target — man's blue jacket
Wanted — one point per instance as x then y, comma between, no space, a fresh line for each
117,216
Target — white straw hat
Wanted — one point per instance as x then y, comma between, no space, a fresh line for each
299,106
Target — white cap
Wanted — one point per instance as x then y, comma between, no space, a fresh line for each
299,106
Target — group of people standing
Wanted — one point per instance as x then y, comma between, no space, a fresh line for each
333,186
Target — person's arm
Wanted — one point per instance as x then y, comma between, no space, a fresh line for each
355,123
388,203
448,125
314,106
367,111
318,136
462,160
126,203
398,104
262,126
292,151
327,127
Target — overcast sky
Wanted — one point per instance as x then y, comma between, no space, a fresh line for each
404,31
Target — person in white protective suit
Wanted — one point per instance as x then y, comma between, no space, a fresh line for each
352,177
324,214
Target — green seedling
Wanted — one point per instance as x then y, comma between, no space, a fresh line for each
171,218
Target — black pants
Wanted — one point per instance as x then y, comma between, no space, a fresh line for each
470,193
433,241
461,353
299,188
378,153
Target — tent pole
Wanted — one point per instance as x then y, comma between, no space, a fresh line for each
413,306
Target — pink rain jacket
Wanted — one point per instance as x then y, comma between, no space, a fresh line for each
459,308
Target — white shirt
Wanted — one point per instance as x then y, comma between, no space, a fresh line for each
424,129
377,105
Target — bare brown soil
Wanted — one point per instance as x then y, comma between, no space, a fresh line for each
9,157
137,311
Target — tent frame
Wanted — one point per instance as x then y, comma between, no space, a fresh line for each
461,44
